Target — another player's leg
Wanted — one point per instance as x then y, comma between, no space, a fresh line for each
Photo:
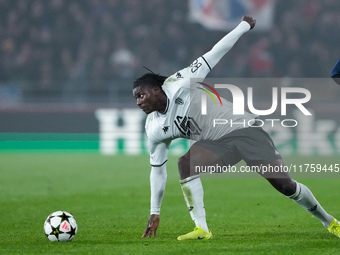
301,195
193,191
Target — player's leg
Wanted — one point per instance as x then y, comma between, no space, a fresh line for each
260,149
300,194
192,188
281,181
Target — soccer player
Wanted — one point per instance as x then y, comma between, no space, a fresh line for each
335,73
166,100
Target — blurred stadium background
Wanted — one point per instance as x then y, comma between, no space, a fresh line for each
67,66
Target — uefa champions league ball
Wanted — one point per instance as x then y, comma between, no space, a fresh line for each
60,226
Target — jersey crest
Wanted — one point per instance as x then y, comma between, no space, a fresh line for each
179,101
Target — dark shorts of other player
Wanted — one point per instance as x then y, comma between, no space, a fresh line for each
252,144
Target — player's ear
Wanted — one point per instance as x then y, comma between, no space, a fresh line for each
156,90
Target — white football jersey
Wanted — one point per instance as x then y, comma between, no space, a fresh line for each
182,117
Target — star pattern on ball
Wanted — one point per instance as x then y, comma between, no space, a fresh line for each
64,217
55,231
60,226
72,232
49,219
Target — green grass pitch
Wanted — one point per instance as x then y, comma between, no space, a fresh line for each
109,197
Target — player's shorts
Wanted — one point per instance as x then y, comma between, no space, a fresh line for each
251,144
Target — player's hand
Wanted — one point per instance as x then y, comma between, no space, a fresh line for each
152,226
250,21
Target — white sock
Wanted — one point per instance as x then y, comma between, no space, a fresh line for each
193,195
304,197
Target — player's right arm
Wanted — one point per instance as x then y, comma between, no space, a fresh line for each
158,177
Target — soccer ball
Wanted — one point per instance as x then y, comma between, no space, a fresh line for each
60,226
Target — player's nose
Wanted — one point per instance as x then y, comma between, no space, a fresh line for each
138,101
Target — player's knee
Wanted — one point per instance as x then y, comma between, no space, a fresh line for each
286,187
184,166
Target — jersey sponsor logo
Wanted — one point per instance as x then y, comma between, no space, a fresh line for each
179,101
187,126
195,65
165,129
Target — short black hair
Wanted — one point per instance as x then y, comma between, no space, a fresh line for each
150,79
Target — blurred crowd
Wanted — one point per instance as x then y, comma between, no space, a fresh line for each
89,45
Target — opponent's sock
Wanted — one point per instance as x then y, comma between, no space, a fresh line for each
304,197
193,195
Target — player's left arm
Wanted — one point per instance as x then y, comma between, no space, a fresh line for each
227,42
203,65
335,73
